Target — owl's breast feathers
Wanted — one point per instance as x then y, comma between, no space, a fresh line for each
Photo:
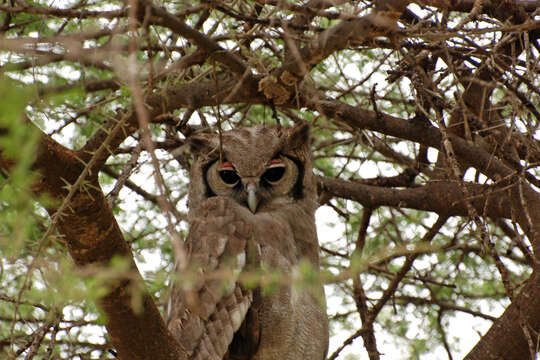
207,305
215,317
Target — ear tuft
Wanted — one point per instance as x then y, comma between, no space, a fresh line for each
298,136
200,143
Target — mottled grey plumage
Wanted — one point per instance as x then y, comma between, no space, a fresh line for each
251,206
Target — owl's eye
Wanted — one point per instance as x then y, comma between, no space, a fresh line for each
275,171
228,174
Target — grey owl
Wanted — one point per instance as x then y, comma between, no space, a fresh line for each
252,202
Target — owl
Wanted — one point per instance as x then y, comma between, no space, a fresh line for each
252,201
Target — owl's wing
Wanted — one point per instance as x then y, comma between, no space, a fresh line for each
207,305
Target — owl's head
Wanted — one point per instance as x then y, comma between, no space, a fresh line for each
261,167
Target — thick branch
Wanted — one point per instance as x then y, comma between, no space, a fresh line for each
93,239
441,197
505,339
527,214
301,61
193,95
525,207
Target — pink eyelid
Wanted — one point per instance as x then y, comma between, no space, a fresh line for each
227,165
276,163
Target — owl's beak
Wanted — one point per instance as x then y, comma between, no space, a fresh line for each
252,200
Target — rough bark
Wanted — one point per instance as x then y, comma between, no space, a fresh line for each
94,239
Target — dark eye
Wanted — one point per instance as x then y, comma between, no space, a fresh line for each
229,177
274,174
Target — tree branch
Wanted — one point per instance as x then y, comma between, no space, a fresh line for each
227,58
94,239
441,197
505,339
